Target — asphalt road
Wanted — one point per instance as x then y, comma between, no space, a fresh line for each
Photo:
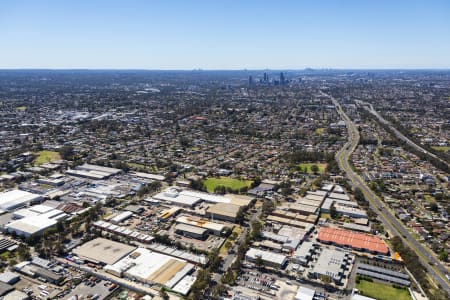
391,223
398,134
229,259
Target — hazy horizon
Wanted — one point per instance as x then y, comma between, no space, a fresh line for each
225,35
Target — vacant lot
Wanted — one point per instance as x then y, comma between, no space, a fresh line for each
306,167
233,183
46,156
382,291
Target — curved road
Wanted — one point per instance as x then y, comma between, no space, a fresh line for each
392,224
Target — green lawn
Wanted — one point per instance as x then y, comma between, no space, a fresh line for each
46,156
319,131
382,291
430,199
441,148
211,183
21,108
325,216
321,166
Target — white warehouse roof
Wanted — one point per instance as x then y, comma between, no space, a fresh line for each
16,198
188,197
304,293
268,256
31,225
122,217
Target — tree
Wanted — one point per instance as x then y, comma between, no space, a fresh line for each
163,294
267,207
434,207
333,211
219,289
256,182
315,169
220,189
240,215
214,260
256,228
443,255
259,262
201,283
228,278
66,152
24,252
360,198
12,262
233,236
184,142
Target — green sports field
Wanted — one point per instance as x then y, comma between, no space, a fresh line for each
382,291
212,182
308,166
46,156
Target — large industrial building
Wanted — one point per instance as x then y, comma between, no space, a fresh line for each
295,216
333,264
214,228
357,241
93,172
268,258
34,220
16,198
151,267
223,211
190,198
123,231
121,217
177,197
191,231
103,251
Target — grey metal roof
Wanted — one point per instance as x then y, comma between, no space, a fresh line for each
383,271
383,277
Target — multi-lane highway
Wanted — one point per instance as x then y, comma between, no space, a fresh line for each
391,223
398,134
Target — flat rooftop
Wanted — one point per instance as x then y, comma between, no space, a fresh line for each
103,251
240,200
15,198
174,196
201,223
95,168
330,263
191,229
148,176
149,266
224,209
268,256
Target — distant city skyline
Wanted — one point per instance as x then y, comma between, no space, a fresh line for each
225,35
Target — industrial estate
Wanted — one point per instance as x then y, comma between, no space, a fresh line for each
312,184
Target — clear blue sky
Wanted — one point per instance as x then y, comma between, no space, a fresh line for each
225,34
